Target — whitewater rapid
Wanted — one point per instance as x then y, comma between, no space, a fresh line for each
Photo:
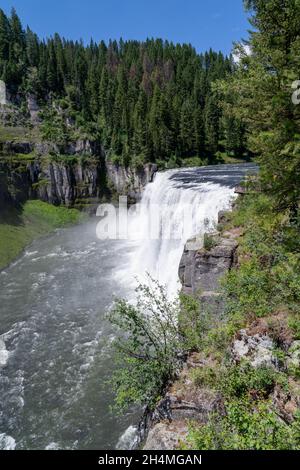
55,342
179,208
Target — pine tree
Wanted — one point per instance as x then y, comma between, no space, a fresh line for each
187,129
212,124
92,87
51,68
234,133
155,121
17,33
5,37
32,48
199,131
139,124
260,94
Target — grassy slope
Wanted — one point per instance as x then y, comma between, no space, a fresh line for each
19,228
19,134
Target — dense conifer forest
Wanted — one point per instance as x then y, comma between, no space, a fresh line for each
145,101
237,318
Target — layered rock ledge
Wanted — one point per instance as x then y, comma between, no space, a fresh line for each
201,269
200,272
75,175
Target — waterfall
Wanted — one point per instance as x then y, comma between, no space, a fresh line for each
183,203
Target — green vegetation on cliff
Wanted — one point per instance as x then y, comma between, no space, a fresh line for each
260,402
261,407
249,357
19,227
145,101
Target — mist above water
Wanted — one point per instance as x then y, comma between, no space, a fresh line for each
181,204
55,343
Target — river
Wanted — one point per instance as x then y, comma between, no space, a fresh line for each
55,343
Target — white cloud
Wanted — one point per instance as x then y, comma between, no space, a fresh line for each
244,49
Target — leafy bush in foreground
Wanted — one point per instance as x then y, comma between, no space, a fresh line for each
148,346
246,426
154,334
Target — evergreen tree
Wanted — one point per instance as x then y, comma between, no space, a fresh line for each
32,48
212,124
260,94
149,99
17,34
139,125
5,37
187,129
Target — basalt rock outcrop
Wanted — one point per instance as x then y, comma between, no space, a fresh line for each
201,269
200,272
130,181
75,174
69,184
182,403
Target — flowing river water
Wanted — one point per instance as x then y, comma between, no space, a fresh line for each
55,343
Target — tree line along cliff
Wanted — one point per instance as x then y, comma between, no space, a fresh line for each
146,101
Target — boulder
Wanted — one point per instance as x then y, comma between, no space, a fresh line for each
257,349
200,270
166,436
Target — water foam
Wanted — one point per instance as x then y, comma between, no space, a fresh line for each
129,439
167,200
4,354
7,442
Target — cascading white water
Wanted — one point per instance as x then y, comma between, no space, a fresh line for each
55,355
174,202
179,204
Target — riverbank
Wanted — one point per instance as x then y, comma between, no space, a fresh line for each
240,388
21,226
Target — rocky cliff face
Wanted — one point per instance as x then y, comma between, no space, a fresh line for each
70,184
189,399
76,174
200,272
130,181
201,269
15,185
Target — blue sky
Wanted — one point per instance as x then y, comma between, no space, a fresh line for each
203,23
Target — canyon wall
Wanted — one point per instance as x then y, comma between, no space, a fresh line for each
75,175
200,272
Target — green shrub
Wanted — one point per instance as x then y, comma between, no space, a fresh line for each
294,324
115,159
138,162
240,380
205,376
209,241
217,339
194,162
148,346
248,289
193,323
245,427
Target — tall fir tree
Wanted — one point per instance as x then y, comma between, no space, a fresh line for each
260,94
